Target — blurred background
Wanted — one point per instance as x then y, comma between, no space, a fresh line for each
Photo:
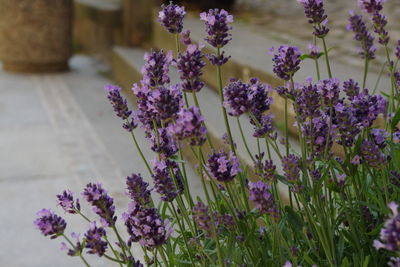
57,129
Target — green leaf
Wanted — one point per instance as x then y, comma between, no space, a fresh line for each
294,219
396,119
345,262
283,180
366,261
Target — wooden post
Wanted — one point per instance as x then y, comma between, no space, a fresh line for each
137,18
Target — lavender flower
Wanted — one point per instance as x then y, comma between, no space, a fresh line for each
120,106
146,112
315,12
137,189
76,250
50,224
351,89
286,61
291,168
345,121
217,27
93,240
163,143
365,108
361,34
379,136
308,101
189,125
390,234
398,49
237,97
146,226
223,167
185,37
171,17
258,96
66,201
371,6
156,68
165,102
218,60
103,204
329,90
265,127
314,51
163,182
190,65
316,132
260,194
202,218
372,155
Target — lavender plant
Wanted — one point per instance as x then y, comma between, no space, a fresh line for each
339,208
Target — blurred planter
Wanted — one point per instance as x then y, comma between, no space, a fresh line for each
35,35
207,4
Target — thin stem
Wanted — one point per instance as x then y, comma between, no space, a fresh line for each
164,258
286,130
73,246
183,234
196,102
221,94
328,66
365,71
244,139
141,153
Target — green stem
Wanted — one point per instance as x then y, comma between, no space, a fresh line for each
286,130
365,71
221,95
328,66
140,152
73,246
164,258
244,139
196,102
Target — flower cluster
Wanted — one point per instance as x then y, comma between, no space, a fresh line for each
362,35
286,61
137,189
315,12
103,204
67,202
156,69
189,126
120,107
222,166
217,27
146,226
94,240
50,224
390,234
190,65
171,17
260,194
167,180
374,8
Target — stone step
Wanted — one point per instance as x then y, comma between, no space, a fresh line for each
249,50
126,65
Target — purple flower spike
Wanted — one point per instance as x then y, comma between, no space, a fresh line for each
190,65
171,17
286,61
146,226
201,216
371,6
329,90
380,136
189,126
137,189
291,168
361,34
50,224
66,201
163,182
258,96
185,37
398,49
315,12
73,251
390,234
236,95
120,106
164,144
265,127
223,167
372,155
165,102
260,194
308,101
217,27
156,68
351,89
103,204
94,240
